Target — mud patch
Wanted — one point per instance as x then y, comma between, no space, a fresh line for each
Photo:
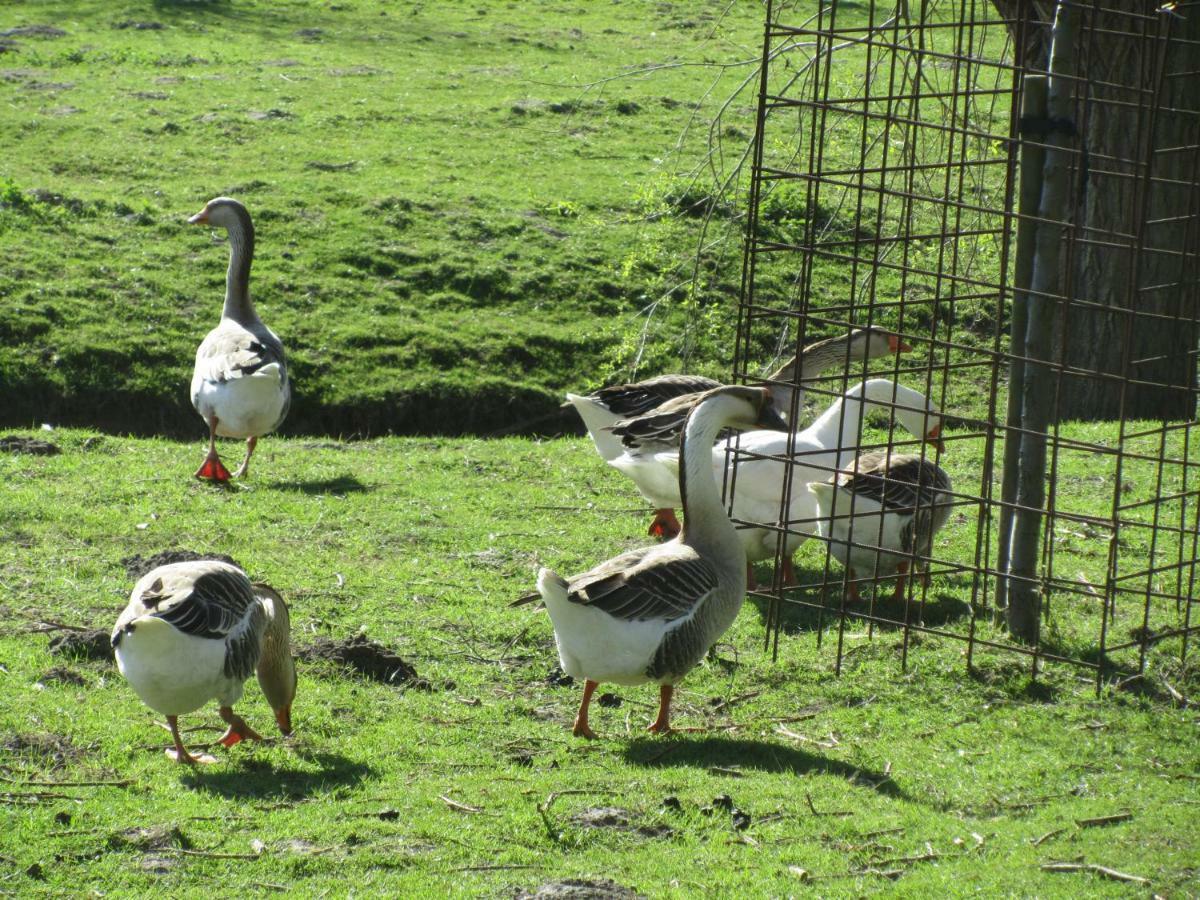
618,819
580,889
366,657
137,566
34,31
62,675
16,444
84,645
154,837
42,748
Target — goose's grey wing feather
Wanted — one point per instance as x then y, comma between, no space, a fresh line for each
639,397
667,588
229,353
899,484
218,605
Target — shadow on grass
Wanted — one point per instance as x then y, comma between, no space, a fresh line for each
343,484
761,755
255,778
806,612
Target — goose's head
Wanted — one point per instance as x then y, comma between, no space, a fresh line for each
743,407
912,409
873,341
276,668
222,212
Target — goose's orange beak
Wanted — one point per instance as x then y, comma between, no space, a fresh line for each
284,718
896,345
199,218
935,437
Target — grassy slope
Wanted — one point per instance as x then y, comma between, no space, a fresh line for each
421,542
449,206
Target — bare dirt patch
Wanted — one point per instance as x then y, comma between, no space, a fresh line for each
84,645
580,889
137,566
13,443
366,657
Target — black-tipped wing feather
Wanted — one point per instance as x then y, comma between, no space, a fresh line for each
219,605
627,400
666,590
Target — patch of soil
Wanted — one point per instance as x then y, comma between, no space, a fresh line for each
64,675
34,31
84,645
153,837
42,747
559,678
617,818
13,443
140,26
137,566
580,889
366,657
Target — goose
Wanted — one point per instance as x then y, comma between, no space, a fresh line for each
194,631
652,613
609,406
757,473
881,513
240,383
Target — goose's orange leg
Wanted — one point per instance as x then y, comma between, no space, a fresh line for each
665,524
251,443
212,469
180,754
581,728
238,729
662,724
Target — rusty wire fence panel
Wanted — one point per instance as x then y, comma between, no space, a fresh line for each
887,172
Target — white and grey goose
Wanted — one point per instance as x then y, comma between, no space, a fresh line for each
651,614
240,383
608,408
881,514
194,632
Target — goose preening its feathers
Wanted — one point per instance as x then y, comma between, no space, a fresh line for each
881,514
194,632
240,383
607,408
652,613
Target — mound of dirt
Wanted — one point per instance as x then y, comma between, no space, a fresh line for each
14,443
138,566
366,657
44,747
580,889
88,645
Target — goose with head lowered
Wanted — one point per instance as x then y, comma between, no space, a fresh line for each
756,474
650,615
610,406
240,383
194,632
881,513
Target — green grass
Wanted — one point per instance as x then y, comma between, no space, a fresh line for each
421,543
459,206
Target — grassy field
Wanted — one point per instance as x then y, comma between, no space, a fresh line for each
919,781
462,209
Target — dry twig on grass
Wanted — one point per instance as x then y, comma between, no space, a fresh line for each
1103,871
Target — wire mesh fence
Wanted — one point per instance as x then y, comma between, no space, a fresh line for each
1013,189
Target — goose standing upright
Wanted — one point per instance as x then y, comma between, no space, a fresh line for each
881,513
610,406
194,631
651,614
240,383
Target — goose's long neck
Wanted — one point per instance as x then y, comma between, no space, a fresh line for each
237,280
276,669
812,361
706,525
844,418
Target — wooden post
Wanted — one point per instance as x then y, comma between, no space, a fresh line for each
1039,387
1033,156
